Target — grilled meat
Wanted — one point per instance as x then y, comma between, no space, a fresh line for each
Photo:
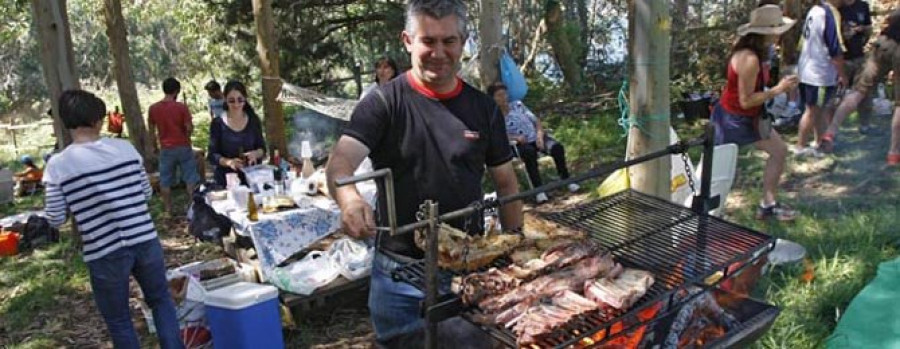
619,292
569,278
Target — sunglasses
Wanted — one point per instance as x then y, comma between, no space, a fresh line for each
236,100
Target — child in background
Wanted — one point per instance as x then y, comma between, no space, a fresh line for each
29,179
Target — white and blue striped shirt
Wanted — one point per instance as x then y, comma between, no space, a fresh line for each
104,185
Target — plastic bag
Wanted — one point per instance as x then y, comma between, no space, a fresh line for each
516,86
306,275
352,258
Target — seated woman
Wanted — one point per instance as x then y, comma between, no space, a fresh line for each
235,140
29,179
525,129
385,70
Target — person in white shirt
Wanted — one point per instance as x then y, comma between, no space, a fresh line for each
821,71
216,99
103,183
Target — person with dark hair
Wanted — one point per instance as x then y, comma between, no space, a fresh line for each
102,182
883,58
171,124
216,99
385,70
857,28
235,140
526,130
821,71
439,136
29,178
737,116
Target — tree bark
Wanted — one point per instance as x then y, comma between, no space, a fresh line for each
489,28
267,47
678,49
649,35
566,55
57,58
117,32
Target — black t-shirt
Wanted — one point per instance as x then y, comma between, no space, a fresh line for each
857,14
893,29
436,148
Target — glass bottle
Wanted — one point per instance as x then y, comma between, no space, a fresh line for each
252,213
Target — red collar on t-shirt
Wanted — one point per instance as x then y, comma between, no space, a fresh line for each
418,86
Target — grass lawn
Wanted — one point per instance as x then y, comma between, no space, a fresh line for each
849,206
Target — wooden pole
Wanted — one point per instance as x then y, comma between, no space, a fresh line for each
57,57
649,42
267,48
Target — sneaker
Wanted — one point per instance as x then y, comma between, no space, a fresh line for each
778,211
807,152
574,187
541,198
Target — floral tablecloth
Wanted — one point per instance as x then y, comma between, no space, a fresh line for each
277,236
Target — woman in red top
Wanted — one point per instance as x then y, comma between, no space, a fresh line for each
737,117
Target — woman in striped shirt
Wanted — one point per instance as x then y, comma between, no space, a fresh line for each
103,183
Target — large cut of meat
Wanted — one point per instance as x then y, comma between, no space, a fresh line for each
619,292
477,286
570,278
545,315
462,252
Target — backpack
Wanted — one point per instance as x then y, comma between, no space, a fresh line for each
37,232
207,225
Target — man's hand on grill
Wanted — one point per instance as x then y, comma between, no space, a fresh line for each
357,219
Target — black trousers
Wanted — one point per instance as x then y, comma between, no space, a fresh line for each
529,155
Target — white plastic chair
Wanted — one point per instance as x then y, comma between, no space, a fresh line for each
724,166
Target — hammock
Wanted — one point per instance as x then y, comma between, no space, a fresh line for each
338,108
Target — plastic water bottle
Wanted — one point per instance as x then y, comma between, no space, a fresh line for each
306,154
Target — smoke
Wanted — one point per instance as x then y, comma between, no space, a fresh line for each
321,130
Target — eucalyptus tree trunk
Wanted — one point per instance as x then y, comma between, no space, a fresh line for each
648,45
267,47
116,31
489,29
566,55
679,48
57,57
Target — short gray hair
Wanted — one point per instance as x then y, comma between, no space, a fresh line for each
437,9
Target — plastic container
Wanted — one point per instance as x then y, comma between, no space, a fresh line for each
6,186
244,315
9,244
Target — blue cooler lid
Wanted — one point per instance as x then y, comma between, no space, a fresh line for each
240,295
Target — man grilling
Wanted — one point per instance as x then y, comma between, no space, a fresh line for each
437,134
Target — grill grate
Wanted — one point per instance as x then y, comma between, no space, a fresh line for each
677,245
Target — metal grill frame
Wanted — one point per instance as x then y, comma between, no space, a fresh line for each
675,231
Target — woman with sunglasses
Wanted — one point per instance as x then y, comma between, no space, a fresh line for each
236,140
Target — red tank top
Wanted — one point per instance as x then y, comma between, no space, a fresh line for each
731,100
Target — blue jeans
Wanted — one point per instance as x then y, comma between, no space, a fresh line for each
397,316
183,159
110,280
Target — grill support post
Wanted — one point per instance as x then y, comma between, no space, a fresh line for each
703,203
431,272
